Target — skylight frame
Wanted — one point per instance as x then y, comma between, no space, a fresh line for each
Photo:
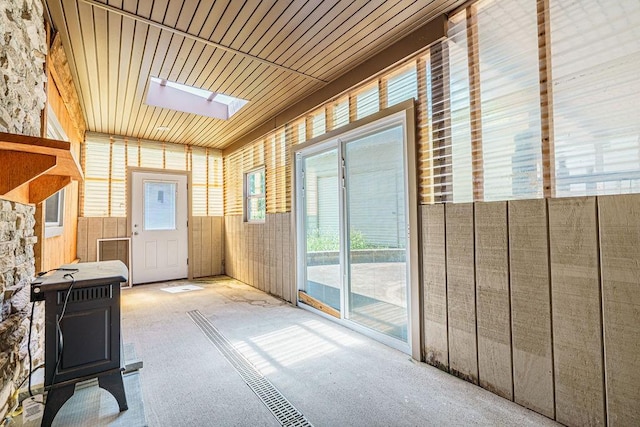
176,96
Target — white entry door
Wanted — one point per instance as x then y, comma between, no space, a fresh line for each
159,237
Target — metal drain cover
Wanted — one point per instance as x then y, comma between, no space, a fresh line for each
280,407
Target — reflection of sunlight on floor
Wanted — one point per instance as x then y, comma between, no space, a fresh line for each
297,343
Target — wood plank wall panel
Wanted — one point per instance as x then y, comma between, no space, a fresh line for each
206,260
531,306
278,251
619,218
123,247
82,238
259,250
260,254
577,324
493,298
434,274
218,247
196,246
94,232
273,252
109,250
229,246
461,305
288,260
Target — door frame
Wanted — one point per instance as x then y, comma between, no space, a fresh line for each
133,169
407,111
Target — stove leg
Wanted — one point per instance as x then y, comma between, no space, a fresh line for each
113,384
56,397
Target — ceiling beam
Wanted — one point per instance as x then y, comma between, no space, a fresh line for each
149,22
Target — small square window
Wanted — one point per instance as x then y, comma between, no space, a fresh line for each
54,215
255,201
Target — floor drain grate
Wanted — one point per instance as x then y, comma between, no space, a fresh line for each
279,406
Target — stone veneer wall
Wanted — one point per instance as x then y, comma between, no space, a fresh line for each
23,49
17,268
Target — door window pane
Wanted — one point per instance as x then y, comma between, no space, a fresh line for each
160,205
377,270
322,230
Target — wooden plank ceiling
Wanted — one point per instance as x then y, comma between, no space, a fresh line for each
272,53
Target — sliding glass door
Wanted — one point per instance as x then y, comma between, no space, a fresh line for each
375,219
352,230
321,232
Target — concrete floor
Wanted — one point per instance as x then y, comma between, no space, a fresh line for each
334,376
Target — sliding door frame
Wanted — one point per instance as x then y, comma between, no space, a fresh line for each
406,111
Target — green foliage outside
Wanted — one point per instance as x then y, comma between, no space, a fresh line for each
324,242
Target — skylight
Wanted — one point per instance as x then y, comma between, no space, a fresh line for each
188,99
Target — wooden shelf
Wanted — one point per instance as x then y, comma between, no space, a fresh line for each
32,168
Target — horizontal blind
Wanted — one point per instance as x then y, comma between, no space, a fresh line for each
595,56
105,162
509,96
316,125
423,135
152,155
118,179
484,104
233,185
459,103
271,165
175,157
401,84
215,200
199,181
96,161
366,100
340,112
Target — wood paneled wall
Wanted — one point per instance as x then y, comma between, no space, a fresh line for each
207,246
61,249
259,254
554,291
57,250
206,242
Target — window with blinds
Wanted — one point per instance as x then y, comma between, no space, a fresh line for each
489,127
316,123
105,160
367,100
595,57
493,103
402,85
339,111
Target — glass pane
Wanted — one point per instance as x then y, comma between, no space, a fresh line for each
367,102
52,209
160,205
256,183
377,232
508,47
595,57
318,124
460,128
256,209
341,113
402,86
321,216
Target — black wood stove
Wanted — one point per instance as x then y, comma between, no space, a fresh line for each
82,330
